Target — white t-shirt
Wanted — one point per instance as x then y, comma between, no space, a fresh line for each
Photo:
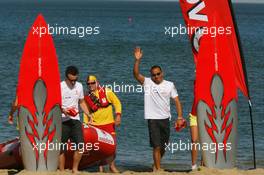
70,98
157,98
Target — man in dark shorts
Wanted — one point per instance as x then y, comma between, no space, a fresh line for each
159,132
72,97
157,95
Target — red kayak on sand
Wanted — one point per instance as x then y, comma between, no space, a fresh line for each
99,148
10,155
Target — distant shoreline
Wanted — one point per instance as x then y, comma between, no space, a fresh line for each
107,1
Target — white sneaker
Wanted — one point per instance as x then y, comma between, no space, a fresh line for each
194,167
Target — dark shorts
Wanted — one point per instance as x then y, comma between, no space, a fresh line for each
159,132
72,129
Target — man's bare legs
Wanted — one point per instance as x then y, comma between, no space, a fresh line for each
112,167
158,153
62,161
101,168
77,156
194,135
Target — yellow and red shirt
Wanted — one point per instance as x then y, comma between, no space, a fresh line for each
104,116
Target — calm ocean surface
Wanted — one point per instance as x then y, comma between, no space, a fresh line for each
109,56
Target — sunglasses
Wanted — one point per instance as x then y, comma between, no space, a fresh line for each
73,81
157,74
91,83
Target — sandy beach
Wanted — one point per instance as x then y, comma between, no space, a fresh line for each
202,171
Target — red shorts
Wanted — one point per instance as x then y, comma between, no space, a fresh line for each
110,128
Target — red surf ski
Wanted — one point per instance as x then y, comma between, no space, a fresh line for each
39,100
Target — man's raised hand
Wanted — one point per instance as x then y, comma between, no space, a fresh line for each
138,53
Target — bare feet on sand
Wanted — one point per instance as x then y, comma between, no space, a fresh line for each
101,169
154,169
75,172
113,169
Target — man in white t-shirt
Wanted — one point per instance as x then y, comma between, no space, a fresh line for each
157,95
72,97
